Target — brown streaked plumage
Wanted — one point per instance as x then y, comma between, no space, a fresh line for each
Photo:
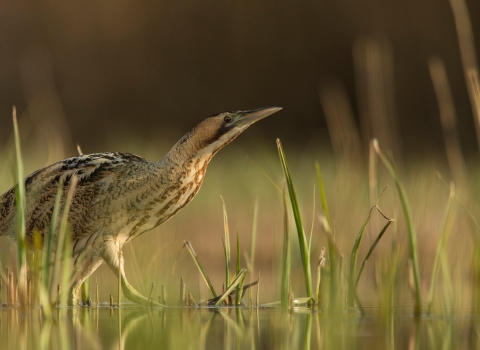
119,196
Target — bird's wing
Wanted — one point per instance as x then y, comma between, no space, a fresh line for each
95,172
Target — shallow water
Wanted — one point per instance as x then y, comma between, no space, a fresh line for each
232,328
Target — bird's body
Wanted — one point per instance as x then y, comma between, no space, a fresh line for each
119,196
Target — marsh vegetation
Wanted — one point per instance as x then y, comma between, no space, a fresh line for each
357,245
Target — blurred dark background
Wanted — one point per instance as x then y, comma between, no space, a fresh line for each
97,69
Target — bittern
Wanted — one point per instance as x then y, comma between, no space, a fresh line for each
119,196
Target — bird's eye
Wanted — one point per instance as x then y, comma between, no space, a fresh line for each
227,119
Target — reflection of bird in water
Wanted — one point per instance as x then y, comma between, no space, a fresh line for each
119,196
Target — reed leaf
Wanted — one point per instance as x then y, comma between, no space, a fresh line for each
20,199
62,232
226,244
237,271
304,251
253,238
47,255
253,241
313,222
285,286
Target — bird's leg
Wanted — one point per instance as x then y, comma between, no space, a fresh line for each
114,259
84,272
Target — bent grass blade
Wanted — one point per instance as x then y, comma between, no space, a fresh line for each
412,235
190,249
238,279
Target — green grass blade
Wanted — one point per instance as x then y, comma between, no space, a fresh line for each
476,248
20,189
62,232
313,221
307,335
333,253
45,301
237,271
85,292
66,267
20,197
239,290
238,279
226,244
253,239
305,254
200,267
448,294
442,242
49,244
285,287
412,235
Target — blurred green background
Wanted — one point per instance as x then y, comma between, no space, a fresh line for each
96,69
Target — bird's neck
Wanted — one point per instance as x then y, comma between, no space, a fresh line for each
195,145
188,148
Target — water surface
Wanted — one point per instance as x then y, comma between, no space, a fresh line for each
232,328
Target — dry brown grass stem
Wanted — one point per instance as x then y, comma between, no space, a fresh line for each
191,300
321,264
79,150
340,121
373,187
181,301
374,75
474,83
448,119
466,43
96,292
59,290
10,288
29,291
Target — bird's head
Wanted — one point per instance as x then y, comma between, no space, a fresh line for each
211,135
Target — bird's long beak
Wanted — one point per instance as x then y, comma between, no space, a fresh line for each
250,117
